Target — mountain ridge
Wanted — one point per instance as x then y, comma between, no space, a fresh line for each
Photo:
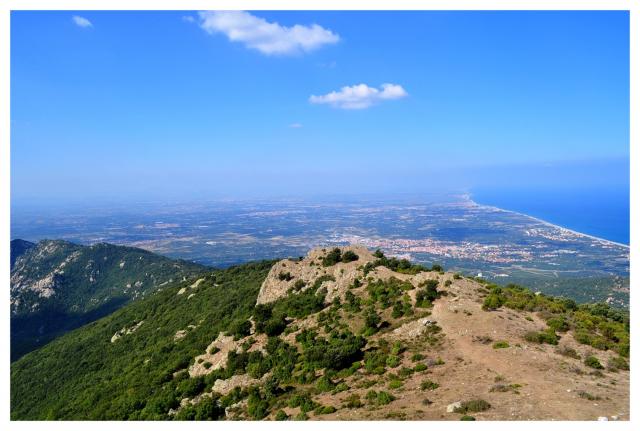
333,336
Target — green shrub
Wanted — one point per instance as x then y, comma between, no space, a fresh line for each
558,323
325,384
568,352
588,396
285,276
299,285
405,372
191,387
302,416
417,357
324,410
392,361
548,337
467,418
473,406
593,362
349,256
500,345
618,363
331,258
492,302
395,384
352,402
379,398
419,367
340,387
281,416
428,385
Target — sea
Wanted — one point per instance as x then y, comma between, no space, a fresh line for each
602,212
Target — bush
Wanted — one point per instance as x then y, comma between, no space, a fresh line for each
419,367
428,385
324,410
379,398
467,418
241,329
618,363
392,361
285,276
417,357
548,337
473,406
558,323
492,302
352,401
568,352
349,256
500,345
395,384
331,258
281,416
325,384
593,362
426,296
299,285
190,387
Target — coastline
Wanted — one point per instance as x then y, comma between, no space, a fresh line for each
547,223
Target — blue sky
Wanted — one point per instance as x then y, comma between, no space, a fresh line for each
186,104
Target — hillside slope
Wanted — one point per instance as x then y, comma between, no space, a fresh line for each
18,248
57,285
339,334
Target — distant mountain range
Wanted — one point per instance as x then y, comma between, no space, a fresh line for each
57,286
341,334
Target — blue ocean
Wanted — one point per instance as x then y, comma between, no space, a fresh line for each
601,212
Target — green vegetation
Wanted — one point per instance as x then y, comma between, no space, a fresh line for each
549,337
428,385
593,362
467,418
569,352
597,325
617,363
387,292
500,345
97,280
132,378
379,398
402,266
473,406
281,416
427,294
336,255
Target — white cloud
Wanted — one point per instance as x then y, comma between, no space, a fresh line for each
188,18
360,96
81,22
269,38
295,125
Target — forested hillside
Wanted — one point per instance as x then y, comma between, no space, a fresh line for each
57,285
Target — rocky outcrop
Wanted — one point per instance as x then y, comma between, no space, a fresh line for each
285,274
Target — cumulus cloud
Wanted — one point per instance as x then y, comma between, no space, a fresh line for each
269,38
359,96
188,18
81,22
